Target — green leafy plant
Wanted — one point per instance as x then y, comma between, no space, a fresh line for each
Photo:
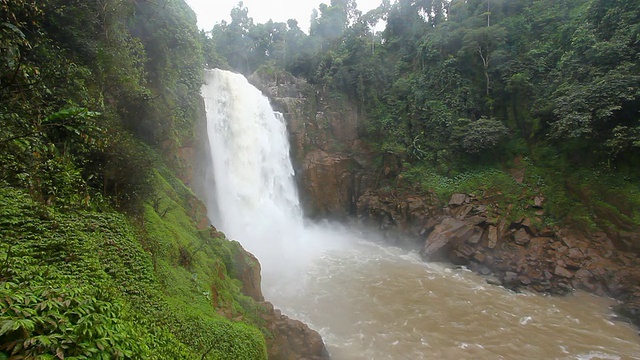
72,322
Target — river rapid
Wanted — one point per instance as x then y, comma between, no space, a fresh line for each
371,301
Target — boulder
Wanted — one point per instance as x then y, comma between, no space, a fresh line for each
291,339
449,229
537,201
562,272
521,237
528,225
457,199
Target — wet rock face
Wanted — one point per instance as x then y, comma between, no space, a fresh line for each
247,270
291,339
329,160
329,183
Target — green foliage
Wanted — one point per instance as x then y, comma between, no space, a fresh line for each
236,341
447,81
174,61
480,135
42,320
91,94
91,268
477,182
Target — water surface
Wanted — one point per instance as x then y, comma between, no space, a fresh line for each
374,302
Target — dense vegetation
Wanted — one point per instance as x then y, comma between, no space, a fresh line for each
100,253
462,91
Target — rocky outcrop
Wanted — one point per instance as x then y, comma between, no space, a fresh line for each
517,253
289,339
329,160
247,270
403,219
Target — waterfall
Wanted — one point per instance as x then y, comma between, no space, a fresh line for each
250,151
255,191
370,301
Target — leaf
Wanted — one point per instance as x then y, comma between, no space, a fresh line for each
15,29
6,326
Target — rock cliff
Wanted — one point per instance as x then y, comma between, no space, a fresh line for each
336,178
330,161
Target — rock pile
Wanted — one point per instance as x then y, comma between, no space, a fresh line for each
517,254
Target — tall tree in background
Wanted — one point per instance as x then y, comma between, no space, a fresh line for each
564,72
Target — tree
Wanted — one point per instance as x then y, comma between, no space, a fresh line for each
484,41
480,135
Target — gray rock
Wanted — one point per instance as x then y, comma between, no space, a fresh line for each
449,229
521,237
457,199
492,280
562,272
492,237
537,201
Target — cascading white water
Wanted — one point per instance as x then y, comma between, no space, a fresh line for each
250,152
255,188
369,301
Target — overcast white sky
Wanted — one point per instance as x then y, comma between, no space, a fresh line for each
211,12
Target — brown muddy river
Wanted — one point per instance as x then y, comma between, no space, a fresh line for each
374,302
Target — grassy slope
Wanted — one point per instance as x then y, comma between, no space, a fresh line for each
89,283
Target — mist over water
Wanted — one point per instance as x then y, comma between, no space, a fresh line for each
370,301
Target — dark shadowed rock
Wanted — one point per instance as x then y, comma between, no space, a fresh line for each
510,279
475,237
630,309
